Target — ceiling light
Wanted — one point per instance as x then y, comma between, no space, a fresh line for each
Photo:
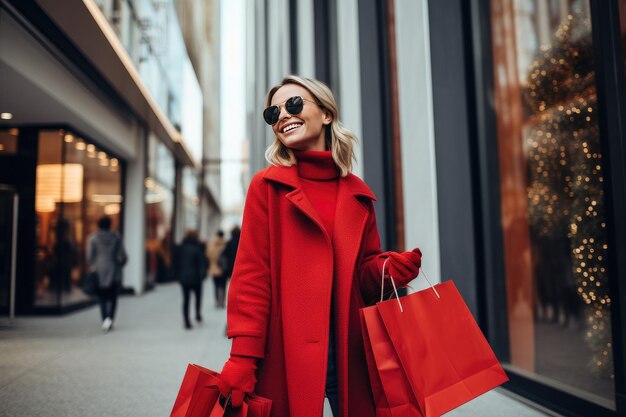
6,116
68,138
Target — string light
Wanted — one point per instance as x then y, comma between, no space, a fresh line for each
565,182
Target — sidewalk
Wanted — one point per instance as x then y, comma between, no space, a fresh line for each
66,367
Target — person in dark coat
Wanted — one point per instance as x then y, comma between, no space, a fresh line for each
190,267
106,256
230,251
65,257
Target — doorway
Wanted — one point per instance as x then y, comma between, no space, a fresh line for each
8,244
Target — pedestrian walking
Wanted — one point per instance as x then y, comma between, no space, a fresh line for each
218,266
230,251
309,258
106,256
190,267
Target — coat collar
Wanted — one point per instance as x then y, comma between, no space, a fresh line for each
289,176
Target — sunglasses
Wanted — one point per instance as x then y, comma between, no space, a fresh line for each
293,105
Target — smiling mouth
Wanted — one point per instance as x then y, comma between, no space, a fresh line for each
291,127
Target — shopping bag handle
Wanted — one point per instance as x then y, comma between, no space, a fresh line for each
395,290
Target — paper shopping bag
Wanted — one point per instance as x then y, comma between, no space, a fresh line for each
199,397
390,388
442,351
258,406
198,393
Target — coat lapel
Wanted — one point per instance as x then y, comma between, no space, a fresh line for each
289,176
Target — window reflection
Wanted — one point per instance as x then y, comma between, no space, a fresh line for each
8,141
190,200
76,184
552,196
159,199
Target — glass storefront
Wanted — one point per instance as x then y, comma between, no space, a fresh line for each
76,184
552,196
159,198
190,200
8,141
150,33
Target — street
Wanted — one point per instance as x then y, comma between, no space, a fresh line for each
65,366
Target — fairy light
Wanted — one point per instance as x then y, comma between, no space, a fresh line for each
565,182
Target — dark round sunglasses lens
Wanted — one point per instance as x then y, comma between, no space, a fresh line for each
271,115
294,105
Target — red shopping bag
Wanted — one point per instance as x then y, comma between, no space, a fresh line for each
198,393
428,351
390,388
199,397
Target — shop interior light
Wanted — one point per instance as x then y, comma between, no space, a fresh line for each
1,147
68,138
6,116
102,155
111,209
91,148
114,162
80,145
44,204
57,183
106,198
103,162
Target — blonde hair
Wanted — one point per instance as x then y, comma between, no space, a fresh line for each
338,139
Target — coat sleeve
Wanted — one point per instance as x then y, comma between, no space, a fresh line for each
370,268
249,295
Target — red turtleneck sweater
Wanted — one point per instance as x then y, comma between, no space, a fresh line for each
319,177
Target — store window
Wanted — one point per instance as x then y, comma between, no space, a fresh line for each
622,21
8,141
553,204
191,202
159,199
76,184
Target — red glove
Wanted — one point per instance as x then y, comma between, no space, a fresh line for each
237,378
405,266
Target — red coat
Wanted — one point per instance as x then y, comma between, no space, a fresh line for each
279,299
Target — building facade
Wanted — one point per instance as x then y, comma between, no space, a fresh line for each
102,115
492,132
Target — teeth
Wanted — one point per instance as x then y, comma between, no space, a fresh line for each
291,127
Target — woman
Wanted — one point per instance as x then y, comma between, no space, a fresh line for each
309,258
106,256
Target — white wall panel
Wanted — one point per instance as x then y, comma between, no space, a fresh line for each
350,74
417,132
135,220
306,39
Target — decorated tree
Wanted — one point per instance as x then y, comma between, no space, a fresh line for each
565,186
